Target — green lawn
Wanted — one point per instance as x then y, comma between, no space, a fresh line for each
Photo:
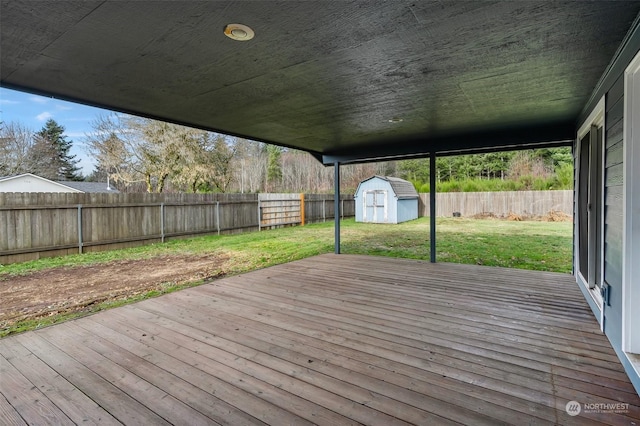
542,246
528,245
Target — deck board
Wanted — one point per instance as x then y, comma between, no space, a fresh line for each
327,340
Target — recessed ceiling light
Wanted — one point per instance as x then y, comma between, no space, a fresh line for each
395,120
238,32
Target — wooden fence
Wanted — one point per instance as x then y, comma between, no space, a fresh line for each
34,225
522,203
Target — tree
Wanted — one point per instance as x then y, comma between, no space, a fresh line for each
250,165
416,171
274,168
161,150
16,142
65,164
114,145
222,151
162,155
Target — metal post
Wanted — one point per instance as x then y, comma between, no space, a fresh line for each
162,222
432,204
218,216
259,214
336,206
80,243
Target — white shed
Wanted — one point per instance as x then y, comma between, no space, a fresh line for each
386,199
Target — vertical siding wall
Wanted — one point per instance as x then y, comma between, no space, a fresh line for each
613,209
614,148
407,209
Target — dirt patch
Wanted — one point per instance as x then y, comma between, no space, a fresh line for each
76,289
552,216
557,216
514,217
485,215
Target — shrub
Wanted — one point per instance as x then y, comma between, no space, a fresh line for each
470,185
449,186
564,176
542,184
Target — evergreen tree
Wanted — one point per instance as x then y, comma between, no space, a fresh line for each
65,164
274,168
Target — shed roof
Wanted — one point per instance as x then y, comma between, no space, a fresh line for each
403,189
344,80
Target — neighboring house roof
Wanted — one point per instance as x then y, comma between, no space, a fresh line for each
38,178
402,188
92,187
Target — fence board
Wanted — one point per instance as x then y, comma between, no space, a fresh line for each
277,210
34,225
523,203
319,207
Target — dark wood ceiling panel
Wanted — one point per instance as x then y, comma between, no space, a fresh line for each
323,76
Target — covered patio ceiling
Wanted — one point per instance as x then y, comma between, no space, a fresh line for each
344,80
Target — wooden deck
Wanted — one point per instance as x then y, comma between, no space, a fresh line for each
327,340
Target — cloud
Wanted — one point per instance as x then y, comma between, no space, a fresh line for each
8,102
38,99
44,116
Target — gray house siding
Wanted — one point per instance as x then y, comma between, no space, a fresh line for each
613,214
614,107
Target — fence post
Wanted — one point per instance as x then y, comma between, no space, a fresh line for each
259,214
162,222
324,206
218,216
302,209
342,209
79,228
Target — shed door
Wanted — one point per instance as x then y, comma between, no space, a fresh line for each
375,206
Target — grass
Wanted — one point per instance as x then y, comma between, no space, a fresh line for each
533,245
544,246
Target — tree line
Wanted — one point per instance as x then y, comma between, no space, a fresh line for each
143,155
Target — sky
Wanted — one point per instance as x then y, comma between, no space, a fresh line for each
33,112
